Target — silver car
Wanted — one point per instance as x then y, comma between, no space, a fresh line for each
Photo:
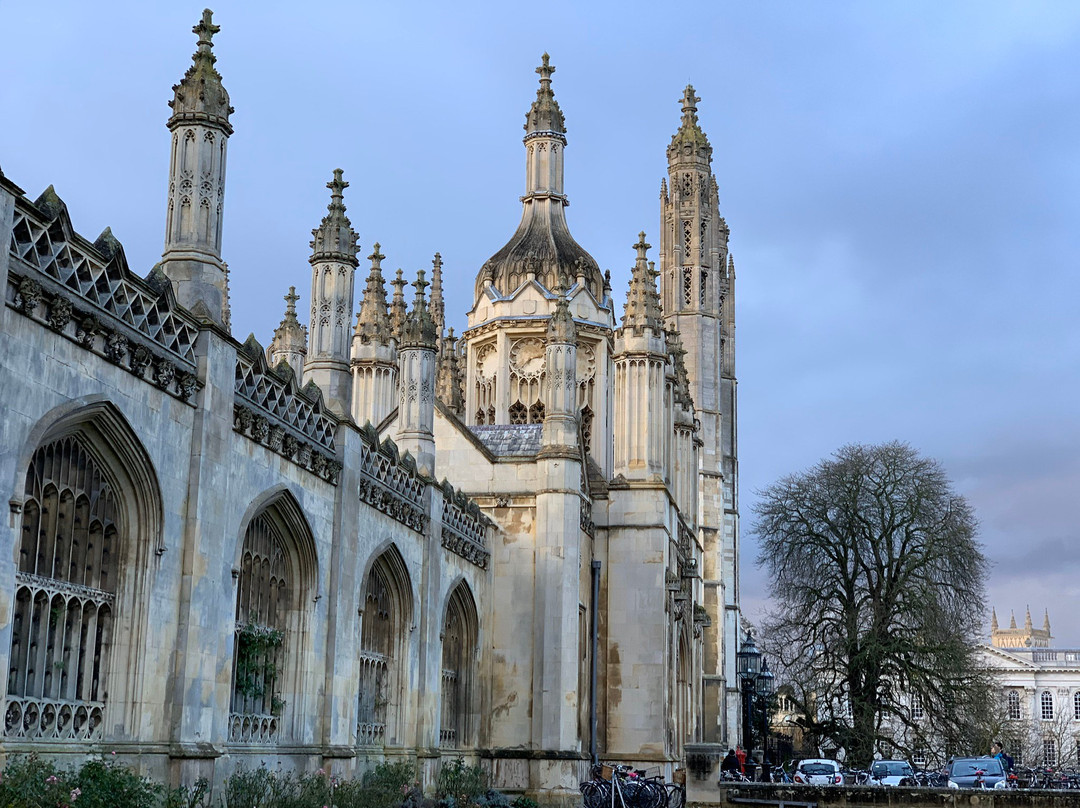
818,772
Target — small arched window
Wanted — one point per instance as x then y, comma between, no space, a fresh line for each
1046,702
1076,705
1014,705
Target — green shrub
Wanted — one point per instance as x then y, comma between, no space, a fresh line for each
33,783
524,802
460,785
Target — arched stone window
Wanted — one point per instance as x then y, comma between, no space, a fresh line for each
386,612
1013,701
1046,702
275,573
65,597
459,637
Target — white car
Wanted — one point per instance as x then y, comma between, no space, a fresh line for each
892,773
818,772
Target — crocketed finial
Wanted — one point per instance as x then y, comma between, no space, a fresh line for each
335,237
205,30
545,115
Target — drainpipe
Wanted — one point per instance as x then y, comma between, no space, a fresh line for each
592,658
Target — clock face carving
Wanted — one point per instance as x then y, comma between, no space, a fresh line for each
527,357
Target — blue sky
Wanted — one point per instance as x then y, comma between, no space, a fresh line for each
902,181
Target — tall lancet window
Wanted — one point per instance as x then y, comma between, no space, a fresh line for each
65,596
262,602
527,361
459,651
486,361
385,613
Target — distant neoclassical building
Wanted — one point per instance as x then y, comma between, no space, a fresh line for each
373,538
1040,692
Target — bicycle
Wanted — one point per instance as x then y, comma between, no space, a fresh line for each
631,786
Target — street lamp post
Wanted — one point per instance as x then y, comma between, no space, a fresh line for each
747,667
764,686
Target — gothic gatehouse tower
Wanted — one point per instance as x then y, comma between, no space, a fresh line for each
371,539
698,291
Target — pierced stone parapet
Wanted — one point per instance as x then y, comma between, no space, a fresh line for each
279,397
92,330
53,719
464,527
96,278
253,728
271,410
390,482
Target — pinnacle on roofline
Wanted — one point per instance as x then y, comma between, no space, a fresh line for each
545,116
335,238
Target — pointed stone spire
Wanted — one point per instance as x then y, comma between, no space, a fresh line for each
1012,619
398,307
333,269
373,321
447,380
416,372
1027,620
419,330
289,344
689,132
544,115
642,301
200,97
334,239
200,129
1046,620
993,620
436,306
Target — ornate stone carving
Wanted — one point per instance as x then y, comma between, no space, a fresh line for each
288,446
140,359
260,429
86,330
116,347
29,296
186,384
59,314
274,439
164,373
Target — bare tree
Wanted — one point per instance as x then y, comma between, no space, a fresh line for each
877,584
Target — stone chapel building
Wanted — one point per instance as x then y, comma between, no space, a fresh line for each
373,538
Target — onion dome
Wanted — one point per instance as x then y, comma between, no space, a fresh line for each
542,248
